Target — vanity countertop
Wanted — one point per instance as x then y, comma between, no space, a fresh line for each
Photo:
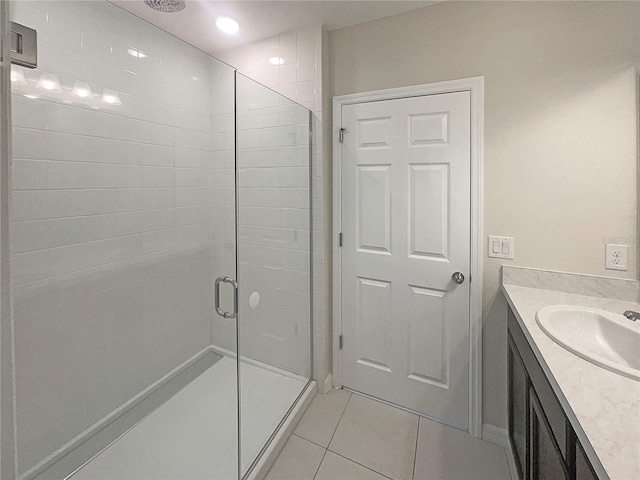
602,406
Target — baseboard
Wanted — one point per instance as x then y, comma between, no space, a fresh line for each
327,385
277,443
500,436
497,435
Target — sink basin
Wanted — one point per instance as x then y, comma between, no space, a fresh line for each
603,338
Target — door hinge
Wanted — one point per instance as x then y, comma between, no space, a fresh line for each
340,238
340,341
341,134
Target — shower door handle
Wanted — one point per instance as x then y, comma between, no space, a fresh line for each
234,284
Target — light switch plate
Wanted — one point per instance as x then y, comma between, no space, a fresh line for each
501,247
615,257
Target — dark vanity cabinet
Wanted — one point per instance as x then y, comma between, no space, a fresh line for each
543,441
545,460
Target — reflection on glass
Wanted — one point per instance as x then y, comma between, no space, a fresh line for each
134,52
17,77
37,83
81,90
50,82
111,98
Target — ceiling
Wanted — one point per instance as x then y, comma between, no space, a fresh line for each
260,19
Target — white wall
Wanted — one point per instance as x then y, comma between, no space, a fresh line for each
299,78
560,160
111,219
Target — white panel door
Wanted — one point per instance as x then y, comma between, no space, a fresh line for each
406,230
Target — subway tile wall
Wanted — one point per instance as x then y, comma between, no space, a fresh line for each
223,200
274,259
273,226
291,64
116,166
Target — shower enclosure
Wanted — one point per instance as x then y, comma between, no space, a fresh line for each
160,253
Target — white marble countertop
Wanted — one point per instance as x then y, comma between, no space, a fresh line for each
602,406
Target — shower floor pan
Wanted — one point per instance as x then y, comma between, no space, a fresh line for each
192,434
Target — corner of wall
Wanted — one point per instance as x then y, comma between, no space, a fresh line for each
327,192
7,415
497,435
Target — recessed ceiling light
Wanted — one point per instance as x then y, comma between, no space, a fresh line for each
227,25
276,60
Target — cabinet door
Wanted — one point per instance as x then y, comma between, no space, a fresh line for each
583,467
545,458
518,393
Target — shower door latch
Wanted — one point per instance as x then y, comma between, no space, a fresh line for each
24,46
233,283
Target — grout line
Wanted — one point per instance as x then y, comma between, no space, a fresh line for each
340,420
320,464
117,139
415,453
363,466
310,441
116,263
334,430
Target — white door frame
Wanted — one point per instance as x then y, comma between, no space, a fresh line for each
475,86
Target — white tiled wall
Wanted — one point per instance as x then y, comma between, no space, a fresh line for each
299,77
223,199
112,224
273,218
273,135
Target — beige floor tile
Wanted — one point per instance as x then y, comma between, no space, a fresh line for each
446,453
378,436
322,417
335,467
299,460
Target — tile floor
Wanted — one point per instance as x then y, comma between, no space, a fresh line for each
344,436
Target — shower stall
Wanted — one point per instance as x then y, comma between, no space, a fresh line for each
160,254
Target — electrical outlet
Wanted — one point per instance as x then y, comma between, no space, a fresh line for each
615,257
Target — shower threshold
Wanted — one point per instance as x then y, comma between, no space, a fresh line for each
187,427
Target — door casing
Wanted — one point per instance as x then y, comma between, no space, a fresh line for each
475,86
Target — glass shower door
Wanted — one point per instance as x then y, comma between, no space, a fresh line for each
274,260
123,215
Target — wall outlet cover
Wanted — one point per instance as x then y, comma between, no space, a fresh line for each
501,247
615,257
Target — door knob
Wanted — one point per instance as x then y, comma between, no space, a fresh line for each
458,277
